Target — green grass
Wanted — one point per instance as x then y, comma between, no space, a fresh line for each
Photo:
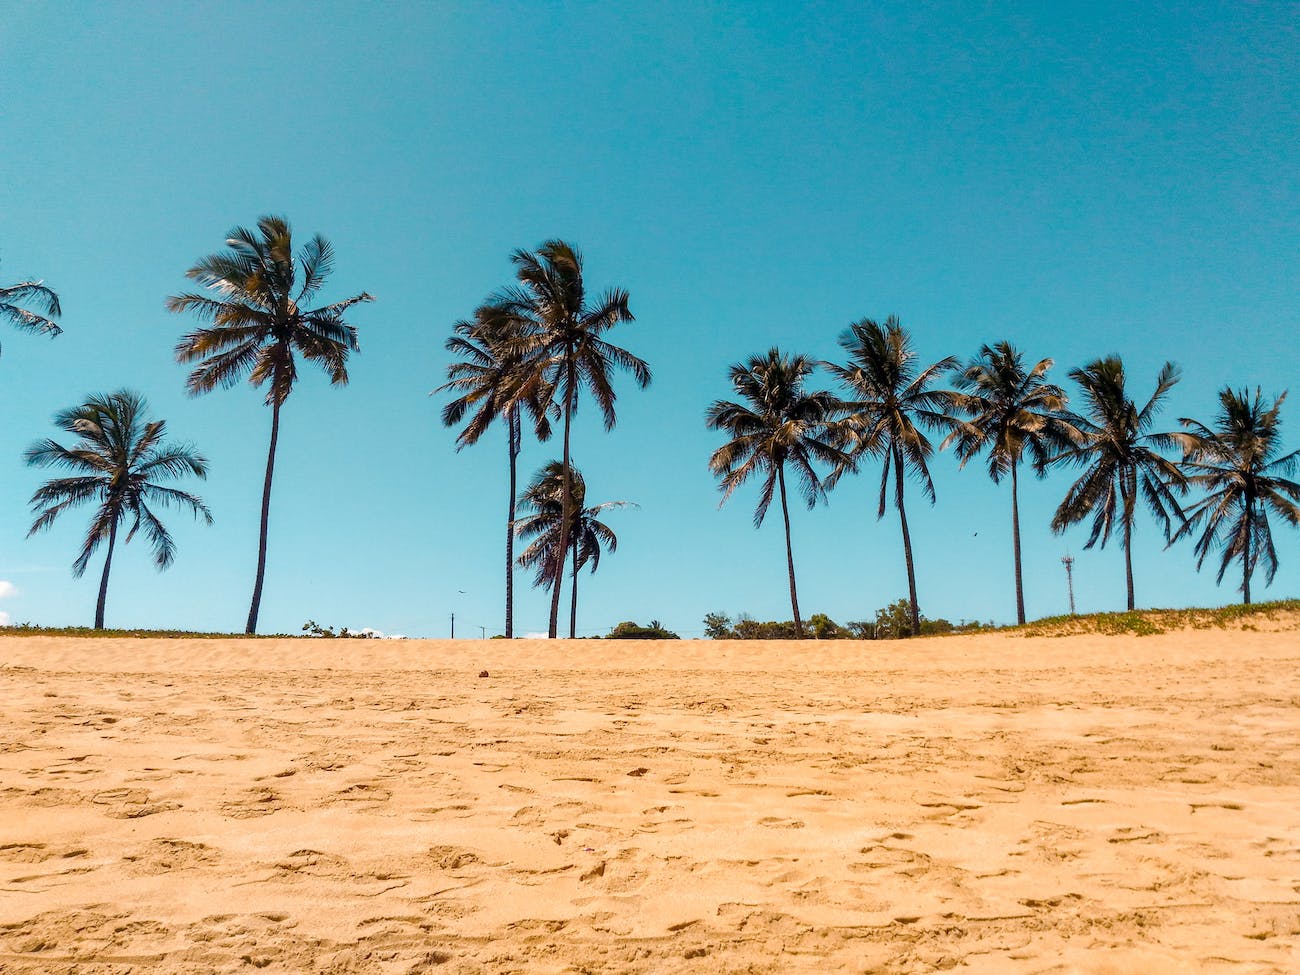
1147,622
31,629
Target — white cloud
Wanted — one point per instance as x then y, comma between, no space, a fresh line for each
537,636
4,619
7,589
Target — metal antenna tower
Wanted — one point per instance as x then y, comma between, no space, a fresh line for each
1068,562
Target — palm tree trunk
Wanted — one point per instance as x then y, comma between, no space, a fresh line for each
789,554
566,498
907,542
1128,500
513,442
103,580
266,516
1015,536
1246,567
573,595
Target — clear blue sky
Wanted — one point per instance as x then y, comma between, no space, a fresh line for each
1080,180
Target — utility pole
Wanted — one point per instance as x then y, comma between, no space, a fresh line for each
1068,562
482,632
453,626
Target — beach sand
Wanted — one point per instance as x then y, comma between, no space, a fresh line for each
985,804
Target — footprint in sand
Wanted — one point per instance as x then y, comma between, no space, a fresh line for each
252,804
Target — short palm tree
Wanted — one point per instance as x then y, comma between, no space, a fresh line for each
584,538
1238,466
257,293
1121,459
35,293
563,347
889,402
1011,410
492,386
779,423
119,463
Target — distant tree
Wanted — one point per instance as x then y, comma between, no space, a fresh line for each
584,538
13,299
493,384
717,626
1238,465
825,628
1121,459
778,423
634,631
1012,410
120,462
890,402
256,292
563,350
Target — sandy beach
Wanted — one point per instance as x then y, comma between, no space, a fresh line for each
984,804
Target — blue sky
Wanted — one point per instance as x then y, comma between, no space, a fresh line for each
1079,180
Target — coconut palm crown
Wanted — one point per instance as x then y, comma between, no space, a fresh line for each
564,349
779,423
1011,411
890,402
120,462
1237,465
257,301
1121,459
14,297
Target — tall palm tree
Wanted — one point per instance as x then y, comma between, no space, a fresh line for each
257,293
1237,464
15,296
492,387
889,401
585,536
779,423
1011,410
1121,459
120,462
563,347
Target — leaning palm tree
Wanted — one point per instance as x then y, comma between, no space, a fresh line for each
15,296
889,401
1011,410
256,304
119,463
1238,466
492,386
779,423
563,348
585,536
1121,459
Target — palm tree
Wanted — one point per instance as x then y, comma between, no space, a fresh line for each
119,461
1121,459
1237,464
584,538
563,349
493,386
1012,410
12,299
890,400
779,423
257,290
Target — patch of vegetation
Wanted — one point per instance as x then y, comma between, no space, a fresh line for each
892,622
1148,622
634,631
33,629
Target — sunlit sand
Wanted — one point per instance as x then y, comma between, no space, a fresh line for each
984,804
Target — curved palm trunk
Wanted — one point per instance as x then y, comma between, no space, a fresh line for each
566,498
573,595
103,579
907,543
513,439
1015,536
789,554
266,516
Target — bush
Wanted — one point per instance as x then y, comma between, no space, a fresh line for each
628,630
